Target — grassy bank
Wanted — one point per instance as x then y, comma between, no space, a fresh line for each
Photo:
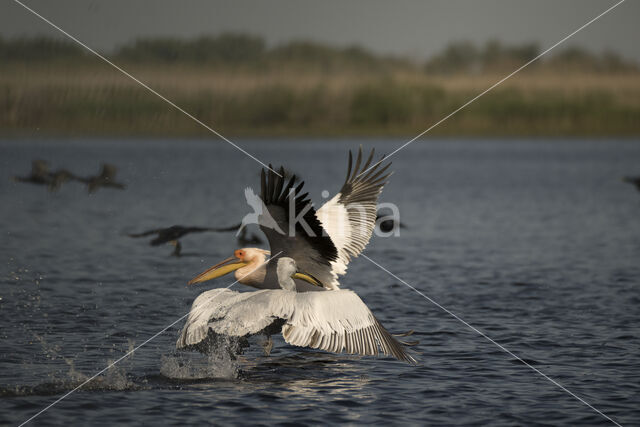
288,96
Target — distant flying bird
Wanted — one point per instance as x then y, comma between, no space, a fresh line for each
389,224
39,174
251,239
172,235
60,177
337,232
334,320
106,178
634,180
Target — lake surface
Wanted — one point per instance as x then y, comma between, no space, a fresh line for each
535,243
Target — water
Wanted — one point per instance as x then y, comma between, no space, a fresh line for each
536,243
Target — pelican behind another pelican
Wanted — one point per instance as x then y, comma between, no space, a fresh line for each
340,229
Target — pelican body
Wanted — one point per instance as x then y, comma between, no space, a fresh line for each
333,321
306,255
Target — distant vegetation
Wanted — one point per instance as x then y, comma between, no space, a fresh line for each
466,57
241,86
232,50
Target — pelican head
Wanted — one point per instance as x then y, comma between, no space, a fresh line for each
246,262
288,270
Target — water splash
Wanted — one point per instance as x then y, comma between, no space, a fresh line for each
115,378
218,360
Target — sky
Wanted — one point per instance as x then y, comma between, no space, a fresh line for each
413,28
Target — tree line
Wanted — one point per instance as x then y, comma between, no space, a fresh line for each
232,50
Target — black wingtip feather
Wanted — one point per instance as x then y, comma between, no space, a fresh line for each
373,150
346,181
274,192
271,182
263,185
279,182
357,166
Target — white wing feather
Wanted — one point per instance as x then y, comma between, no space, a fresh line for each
333,321
349,218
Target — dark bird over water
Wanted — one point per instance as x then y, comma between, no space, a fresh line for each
59,177
172,234
635,180
39,174
245,239
105,179
387,223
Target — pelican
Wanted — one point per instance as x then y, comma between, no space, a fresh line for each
334,321
327,241
106,178
172,235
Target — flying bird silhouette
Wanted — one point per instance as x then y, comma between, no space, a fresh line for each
59,177
39,174
106,178
387,223
172,235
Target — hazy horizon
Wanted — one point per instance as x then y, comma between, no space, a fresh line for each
410,28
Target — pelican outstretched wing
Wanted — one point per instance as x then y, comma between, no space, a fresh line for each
350,216
298,233
336,321
334,234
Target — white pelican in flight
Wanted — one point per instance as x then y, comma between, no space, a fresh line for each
334,321
323,247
